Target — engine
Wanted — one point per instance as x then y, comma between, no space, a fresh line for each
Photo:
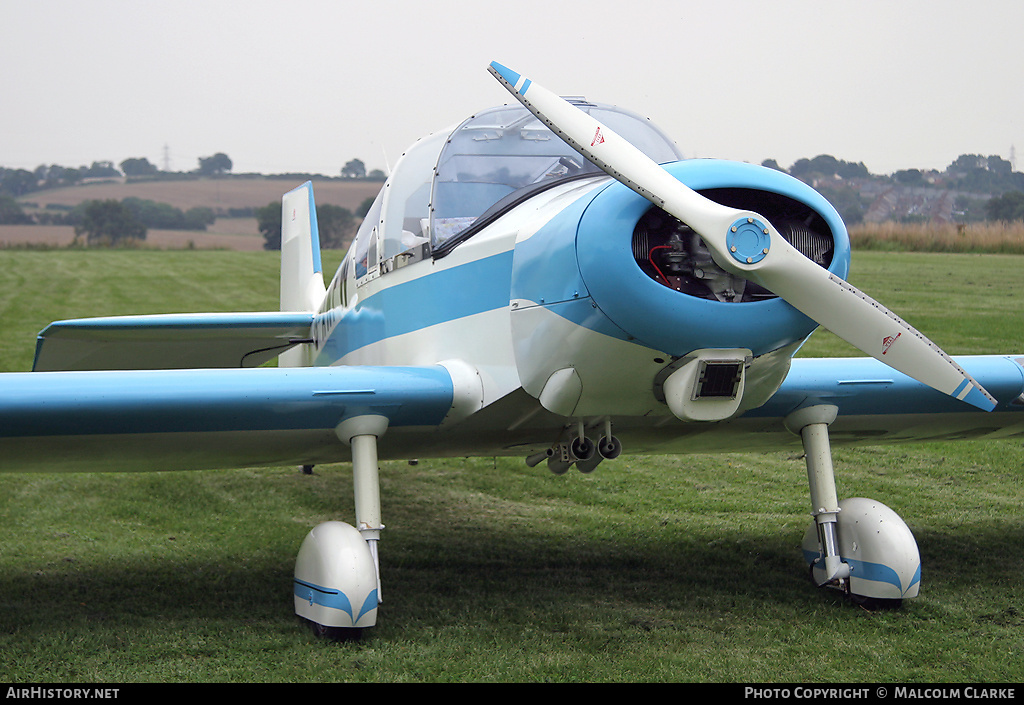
671,253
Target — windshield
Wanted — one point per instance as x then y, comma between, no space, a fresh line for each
502,150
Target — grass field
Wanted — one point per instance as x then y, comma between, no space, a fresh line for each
682,568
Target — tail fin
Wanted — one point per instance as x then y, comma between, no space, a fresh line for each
302,279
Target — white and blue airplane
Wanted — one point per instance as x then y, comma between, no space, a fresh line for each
548,279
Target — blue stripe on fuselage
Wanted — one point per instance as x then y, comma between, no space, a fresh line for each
439,297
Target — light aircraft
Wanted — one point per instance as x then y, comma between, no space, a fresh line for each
547,279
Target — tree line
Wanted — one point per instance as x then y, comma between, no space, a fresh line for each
968,172
20,182
113,222
985,185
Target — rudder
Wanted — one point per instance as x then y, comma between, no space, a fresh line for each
302,279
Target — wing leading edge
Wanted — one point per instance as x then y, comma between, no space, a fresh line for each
196,419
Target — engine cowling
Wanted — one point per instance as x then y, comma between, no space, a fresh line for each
698,305
614,299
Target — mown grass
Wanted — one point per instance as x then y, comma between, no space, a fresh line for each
682,568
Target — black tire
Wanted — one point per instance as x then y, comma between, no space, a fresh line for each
337,634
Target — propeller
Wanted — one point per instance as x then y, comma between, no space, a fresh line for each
748,245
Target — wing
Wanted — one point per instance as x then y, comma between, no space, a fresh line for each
195,419
172,341
877,403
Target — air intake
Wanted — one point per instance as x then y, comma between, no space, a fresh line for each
718,380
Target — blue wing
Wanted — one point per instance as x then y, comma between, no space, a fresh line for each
194,419
867,387
877,404
209,418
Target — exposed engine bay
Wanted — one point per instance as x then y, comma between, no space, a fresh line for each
671,253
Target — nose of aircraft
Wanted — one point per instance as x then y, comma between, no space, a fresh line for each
627,272
601,306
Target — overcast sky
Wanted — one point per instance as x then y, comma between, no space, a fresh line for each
306,85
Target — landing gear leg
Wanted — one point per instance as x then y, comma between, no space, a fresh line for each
366,483
858,545
812,425
337,573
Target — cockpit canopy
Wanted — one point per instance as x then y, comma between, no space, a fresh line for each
445,182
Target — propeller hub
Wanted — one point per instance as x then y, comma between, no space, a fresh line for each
748,241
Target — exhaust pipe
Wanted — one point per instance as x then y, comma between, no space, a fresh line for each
582,452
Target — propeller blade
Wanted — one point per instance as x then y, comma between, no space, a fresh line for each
745,243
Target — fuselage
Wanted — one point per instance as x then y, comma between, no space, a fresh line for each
553,294
572,300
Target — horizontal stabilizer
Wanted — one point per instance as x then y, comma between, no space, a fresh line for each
169,341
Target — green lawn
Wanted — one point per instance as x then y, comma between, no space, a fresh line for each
682,568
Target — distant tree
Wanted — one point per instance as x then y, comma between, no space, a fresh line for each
853,170
17,182
219,163
354,169
69,175
151,214
824,164
56,175
199,217
998,165
139,166
109,223
772,164
1008,207
164,216
337,225
268,219
800,168
967,163
827,165
11,212
910,177
978,174
100,170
